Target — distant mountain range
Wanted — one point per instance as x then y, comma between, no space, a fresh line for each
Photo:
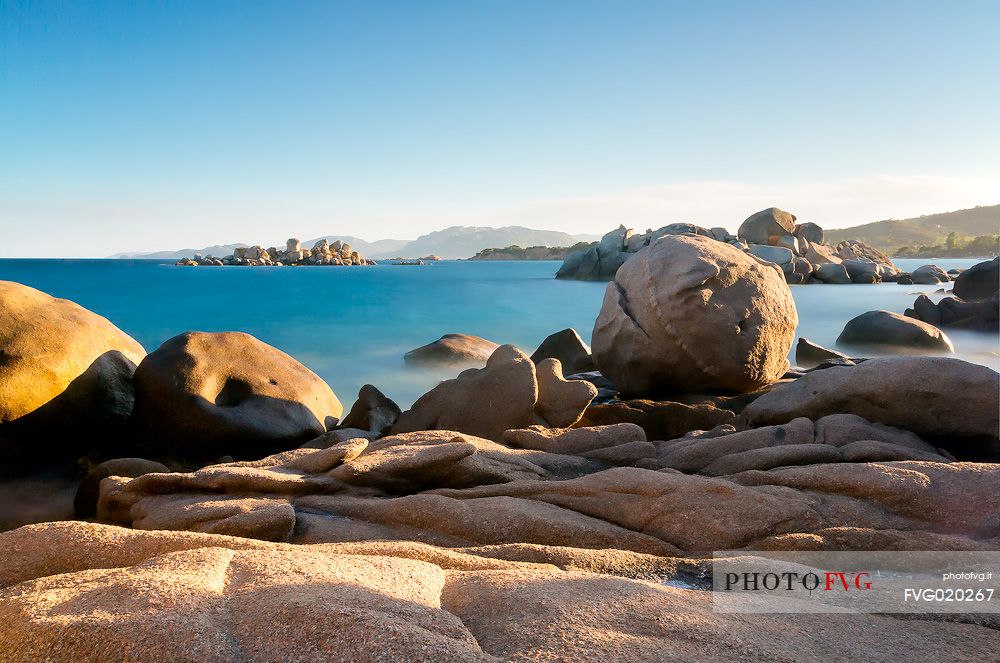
926,230
467,241
450,243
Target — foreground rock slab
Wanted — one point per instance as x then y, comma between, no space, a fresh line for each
589,488
76,591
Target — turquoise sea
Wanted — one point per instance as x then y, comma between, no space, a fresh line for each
352,325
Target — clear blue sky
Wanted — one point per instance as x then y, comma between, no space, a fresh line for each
156,125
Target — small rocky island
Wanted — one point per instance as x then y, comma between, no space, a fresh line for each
322,253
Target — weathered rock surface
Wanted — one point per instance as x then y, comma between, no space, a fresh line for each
452,349
483,402
571,351
449,489
661,420
981,281
81,591
948,402
509,392
62,368
832,439
560,402
574,440
202,396
688,313
886,330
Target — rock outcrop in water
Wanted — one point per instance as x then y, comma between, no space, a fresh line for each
891,332
772,235
452,349
323,253
975,306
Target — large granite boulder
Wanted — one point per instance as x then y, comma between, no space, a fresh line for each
980,281
62,368
890,331
929,275
688,313
761,227
452,349
950,402
202,396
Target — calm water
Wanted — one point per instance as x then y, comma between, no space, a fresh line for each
352,325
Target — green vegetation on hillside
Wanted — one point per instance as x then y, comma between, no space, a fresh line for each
923,231
954,246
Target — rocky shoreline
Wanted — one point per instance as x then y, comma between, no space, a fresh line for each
338,254
772,235
563,505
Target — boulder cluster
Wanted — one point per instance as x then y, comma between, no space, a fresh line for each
974,304
771,235
322,253
530,508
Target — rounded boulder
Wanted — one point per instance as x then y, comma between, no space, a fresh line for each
60,366
688,314
204,395
891,331
759,228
